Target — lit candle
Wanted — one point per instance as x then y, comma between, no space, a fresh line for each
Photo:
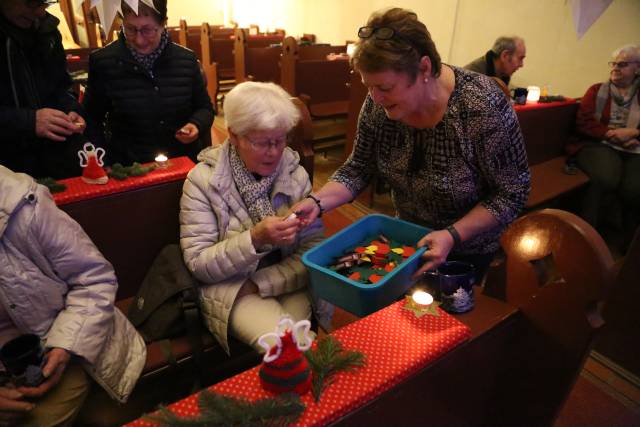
422,299
533,94
162,161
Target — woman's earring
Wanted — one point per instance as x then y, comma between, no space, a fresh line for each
426,79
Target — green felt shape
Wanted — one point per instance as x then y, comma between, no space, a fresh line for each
431,310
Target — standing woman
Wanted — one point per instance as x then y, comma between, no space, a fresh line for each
146,95
445,139
609,120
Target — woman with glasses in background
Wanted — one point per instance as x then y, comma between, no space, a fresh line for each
608,122
145,94
445,139
234,232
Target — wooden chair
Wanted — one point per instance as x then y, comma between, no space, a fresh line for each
556,270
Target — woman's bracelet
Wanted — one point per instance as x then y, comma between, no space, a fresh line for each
315,199
456,236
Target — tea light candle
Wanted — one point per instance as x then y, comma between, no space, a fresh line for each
533,94
162,161
422,299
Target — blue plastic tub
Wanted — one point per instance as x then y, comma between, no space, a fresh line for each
357,298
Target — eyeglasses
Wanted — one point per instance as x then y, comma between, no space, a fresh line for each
385,33
621,64
264,145
146,32
34,4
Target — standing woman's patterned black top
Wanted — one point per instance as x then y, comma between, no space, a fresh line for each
475,154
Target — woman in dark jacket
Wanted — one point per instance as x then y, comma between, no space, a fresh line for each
146,95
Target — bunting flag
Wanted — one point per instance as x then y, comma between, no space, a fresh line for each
586,13
109,9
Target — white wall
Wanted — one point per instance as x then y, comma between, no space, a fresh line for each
462,30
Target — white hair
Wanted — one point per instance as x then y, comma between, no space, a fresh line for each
252,106
632,52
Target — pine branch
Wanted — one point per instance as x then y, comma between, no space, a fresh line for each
219,410
328,359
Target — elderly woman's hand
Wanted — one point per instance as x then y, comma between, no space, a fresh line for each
275,230
306,210
622,135
439,243
187,133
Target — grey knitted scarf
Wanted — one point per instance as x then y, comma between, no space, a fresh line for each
255,193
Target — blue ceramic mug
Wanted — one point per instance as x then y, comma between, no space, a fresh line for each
452,283
23,358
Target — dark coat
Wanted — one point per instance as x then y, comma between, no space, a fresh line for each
33,75
138,114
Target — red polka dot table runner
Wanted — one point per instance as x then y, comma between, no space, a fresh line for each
396,344
78,190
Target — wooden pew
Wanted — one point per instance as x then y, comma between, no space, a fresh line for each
218,50
307,74
557,270
619,344
146,220
546,130
189,37
260,64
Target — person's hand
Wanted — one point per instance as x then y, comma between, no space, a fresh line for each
439,243
187,133
621,135
275,230
54,124
78,121
57,360
12,407
307,211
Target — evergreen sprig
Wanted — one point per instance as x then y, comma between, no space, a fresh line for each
121,173
328,359
53,185
219,410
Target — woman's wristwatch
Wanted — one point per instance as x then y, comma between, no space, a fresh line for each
315,199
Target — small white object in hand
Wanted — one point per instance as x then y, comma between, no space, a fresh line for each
291,217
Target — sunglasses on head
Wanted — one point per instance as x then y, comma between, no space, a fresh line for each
385,33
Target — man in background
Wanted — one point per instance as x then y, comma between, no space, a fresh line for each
505,58
40,122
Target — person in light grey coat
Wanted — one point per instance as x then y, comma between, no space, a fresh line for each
56,284
236,236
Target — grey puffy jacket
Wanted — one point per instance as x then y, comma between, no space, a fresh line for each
215,235
56,284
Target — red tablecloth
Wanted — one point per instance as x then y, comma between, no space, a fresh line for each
540,105
78,190
396,345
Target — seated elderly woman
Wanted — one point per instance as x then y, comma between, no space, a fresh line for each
609,122
234,232
146,95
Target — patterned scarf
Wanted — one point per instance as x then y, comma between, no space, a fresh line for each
254,193
621,100
147,61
